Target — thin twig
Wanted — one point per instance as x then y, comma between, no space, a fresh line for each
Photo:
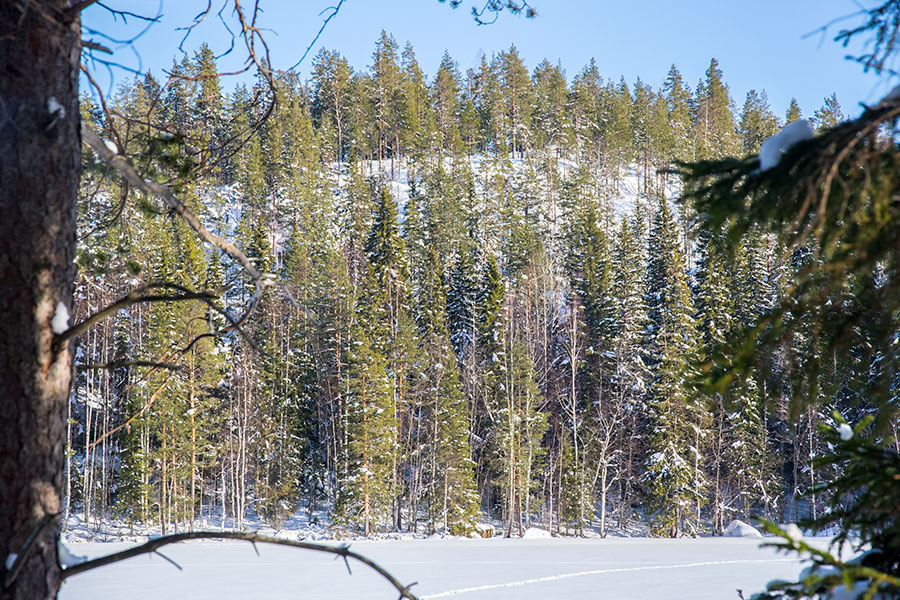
135,297
26,547
334,11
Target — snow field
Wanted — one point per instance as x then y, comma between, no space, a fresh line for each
524,569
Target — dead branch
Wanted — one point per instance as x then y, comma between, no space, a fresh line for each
334,11
144,409
135,297
151,188
92,45
39,528
124,14
154,545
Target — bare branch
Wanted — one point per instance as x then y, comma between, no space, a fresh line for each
92,45
124,167
154,545
198,19
13,571
334,11
128,422
125,14
135,297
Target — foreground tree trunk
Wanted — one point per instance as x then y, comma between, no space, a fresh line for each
40,160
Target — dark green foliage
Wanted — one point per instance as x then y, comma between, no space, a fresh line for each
865,507
504,341
847,226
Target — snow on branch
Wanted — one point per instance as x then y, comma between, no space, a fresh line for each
153,546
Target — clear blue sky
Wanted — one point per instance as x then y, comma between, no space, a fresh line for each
759,44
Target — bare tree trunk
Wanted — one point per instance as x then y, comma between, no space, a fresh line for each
40,158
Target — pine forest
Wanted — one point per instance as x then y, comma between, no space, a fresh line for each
483,304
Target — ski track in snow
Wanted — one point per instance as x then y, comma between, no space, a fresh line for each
494,586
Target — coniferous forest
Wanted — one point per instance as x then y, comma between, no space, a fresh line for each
483,304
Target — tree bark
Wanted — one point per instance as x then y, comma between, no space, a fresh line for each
40,164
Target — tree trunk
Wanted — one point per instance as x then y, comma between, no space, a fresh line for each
40,158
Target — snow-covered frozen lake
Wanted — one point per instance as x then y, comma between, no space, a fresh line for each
613,568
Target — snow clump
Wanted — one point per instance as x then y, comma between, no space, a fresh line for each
845,431
60,321
536,533
738,528
772,149
793,532
55,108
10,560
66,558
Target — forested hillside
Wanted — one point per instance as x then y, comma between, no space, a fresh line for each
484,306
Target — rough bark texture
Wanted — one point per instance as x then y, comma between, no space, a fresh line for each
39,171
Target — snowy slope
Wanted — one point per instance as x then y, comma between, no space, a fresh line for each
622,197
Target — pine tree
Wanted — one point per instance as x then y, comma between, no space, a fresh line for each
549,119
364,499
629,383
516,93
331,89
793,112
453,499
757,123
678,96
387,100
446,90
829,115
714,131
586,111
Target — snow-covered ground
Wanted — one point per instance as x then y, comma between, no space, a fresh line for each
524,569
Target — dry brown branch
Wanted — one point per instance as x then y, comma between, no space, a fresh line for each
154,545
92,45
144,409
334,11
151,188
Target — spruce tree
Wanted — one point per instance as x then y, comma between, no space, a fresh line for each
674,470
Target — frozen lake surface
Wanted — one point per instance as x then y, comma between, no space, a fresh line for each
613,568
